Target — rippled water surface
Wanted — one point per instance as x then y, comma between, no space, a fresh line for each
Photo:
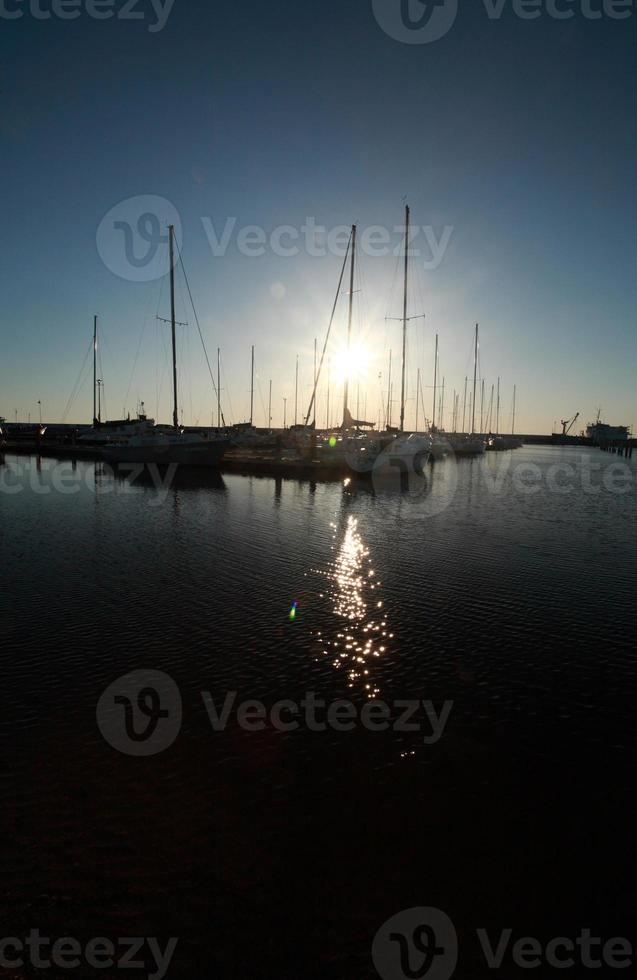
503,585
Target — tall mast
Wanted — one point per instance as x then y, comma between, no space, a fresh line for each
94,371
270,406
442,405
171,237
315,380
475,381
296,390
402,387
349,323
515,391
464,404
218,387
389,394
417,396
482,408
433,421
497,417
252,387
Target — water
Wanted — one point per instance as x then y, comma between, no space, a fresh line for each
504,591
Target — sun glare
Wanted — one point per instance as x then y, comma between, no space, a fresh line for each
353,364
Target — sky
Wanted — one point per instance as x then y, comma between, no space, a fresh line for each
513,140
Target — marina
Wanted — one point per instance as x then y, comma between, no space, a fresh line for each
318,501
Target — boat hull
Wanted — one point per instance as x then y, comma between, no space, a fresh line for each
189,454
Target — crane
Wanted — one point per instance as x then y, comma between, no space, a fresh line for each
568,424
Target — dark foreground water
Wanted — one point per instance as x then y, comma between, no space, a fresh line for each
500,593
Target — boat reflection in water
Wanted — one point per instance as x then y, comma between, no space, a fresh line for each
362,633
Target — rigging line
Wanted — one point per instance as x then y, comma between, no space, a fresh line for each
163,370
77,385
329,329
85,377
189,366
227,387
101,367
203,344
132,374
265,414
157,329
394,281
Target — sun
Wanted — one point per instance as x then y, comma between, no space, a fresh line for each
352,364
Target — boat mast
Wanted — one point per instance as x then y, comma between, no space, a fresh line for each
417,396
515,391
475,381
402,386
315,380
433,421
270,407
464,404
94,371
218,387
296,391
171,237
252,387
497,417
312,406
349,324
389,394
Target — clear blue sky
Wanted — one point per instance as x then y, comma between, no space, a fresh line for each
520,135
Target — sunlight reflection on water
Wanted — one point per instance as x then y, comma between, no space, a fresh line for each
353,590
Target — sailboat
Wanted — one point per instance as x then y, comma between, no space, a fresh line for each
377,451
166,444
472,444
102,433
